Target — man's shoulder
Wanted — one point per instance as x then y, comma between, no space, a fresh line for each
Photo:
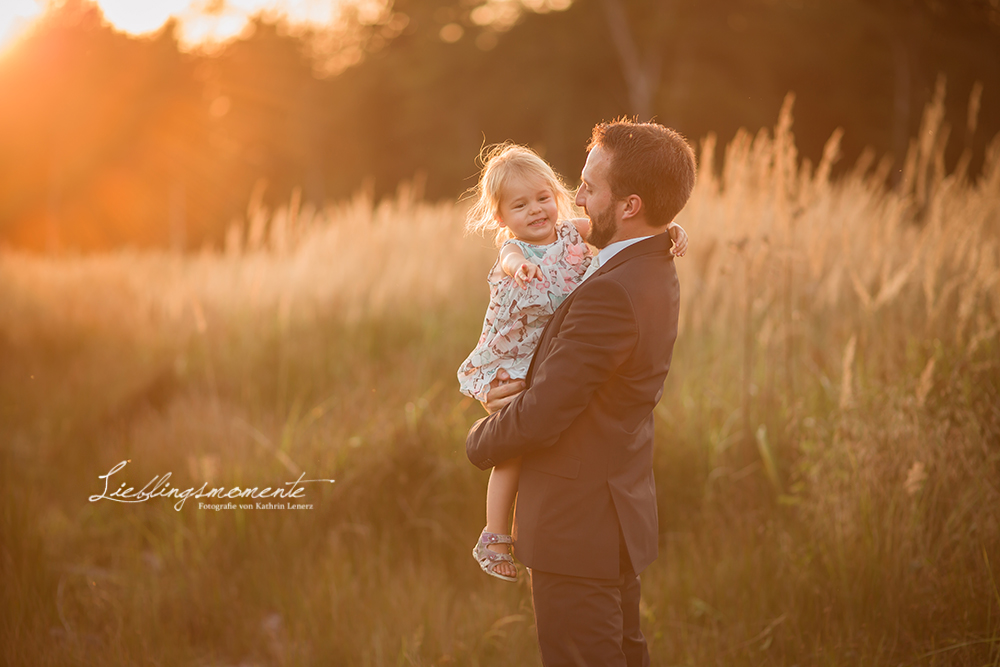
646,279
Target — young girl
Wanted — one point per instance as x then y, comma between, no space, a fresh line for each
543,257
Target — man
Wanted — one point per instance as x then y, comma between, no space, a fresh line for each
585,522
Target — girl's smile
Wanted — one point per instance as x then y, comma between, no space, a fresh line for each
529,210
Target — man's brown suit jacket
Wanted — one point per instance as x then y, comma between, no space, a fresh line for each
584,424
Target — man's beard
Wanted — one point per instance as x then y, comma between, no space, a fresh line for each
602,227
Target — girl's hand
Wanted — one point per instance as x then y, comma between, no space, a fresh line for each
513,263
680,239
525,273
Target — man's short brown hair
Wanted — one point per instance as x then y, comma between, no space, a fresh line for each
649,160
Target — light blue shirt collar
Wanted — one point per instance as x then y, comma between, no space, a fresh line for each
605,255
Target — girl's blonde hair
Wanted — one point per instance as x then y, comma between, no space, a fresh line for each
501,164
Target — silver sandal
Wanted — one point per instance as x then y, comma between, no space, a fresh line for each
488,559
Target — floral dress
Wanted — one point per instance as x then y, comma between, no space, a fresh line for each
516,316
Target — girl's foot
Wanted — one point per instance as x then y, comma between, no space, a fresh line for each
503,567
493,555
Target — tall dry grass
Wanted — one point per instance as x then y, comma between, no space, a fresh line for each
828,458
836,391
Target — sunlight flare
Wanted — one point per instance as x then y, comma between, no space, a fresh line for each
199,22
138,18
16,17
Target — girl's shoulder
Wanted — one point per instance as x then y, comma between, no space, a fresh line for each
573,229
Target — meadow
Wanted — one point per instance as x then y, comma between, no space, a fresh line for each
828,442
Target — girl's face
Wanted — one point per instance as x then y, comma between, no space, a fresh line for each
528,209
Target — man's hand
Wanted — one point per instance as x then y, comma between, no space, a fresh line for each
502,391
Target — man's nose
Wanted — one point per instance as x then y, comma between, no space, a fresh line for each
579,196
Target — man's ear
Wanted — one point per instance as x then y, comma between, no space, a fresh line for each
632,206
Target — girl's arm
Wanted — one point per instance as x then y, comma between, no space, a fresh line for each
680,239
514,264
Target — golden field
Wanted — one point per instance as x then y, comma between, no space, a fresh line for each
828,443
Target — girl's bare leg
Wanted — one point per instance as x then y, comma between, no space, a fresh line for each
500,496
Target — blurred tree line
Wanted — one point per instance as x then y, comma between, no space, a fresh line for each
110,140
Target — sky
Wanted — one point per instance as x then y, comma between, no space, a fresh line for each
200,21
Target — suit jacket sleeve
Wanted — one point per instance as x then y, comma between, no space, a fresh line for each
595,338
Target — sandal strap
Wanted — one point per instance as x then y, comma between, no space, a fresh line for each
494,557
495,538
488,559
